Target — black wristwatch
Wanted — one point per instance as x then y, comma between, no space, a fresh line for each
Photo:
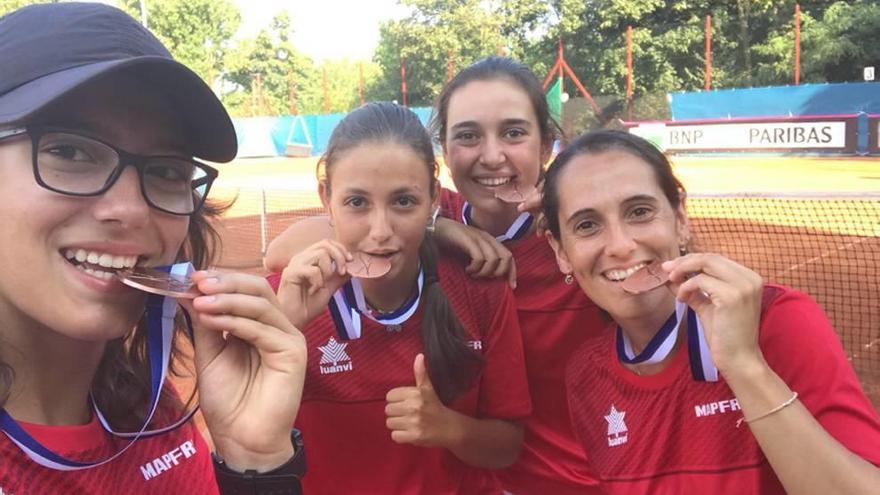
283,480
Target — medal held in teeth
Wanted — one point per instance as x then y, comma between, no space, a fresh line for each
514,192
367,266
158,282
647,278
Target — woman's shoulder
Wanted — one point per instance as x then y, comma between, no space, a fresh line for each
451,204
589,355
795,333
785,310
454,280
480,304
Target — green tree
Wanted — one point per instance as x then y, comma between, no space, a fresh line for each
836,43
7,6
198,33
438,31
751,43
343,82
266,74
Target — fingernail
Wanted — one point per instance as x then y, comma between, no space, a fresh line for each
206,299
212,280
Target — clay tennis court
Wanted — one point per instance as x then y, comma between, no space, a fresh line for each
808,222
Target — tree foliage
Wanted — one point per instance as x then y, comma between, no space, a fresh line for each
752,41
752,45
440,32
267,75
196,32
7,6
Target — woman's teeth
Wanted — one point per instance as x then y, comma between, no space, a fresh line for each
493,181
618,275
101,259
96,273
96,264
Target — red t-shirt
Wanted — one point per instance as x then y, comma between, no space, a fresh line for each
669,434
342,416
555,319
175,462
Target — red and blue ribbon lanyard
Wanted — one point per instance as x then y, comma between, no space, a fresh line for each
160,313
661,345
519,228
348,304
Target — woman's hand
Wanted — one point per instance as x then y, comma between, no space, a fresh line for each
311,278
727,299
415,415
532,203
804,456
250,362
489,258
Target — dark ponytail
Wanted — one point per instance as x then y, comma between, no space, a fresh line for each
452,365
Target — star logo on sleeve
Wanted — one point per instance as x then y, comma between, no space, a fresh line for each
617,431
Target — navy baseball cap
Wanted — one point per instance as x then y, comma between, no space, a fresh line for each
48,50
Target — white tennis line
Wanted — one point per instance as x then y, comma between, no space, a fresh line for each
826,254
789,194
821,256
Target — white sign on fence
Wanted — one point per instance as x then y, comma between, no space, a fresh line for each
746,136
869,73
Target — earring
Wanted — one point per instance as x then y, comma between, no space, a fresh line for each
432,224
683,248
569,279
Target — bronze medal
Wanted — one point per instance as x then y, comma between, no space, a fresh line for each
514,192
647,278
159,282
367,266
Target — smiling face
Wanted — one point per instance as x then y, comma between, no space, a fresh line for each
614,219
492,137
57,268
380,198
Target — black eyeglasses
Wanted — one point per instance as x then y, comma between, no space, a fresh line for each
74,164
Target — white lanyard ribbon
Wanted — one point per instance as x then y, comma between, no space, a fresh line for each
663,342
160,314
518,229
348,304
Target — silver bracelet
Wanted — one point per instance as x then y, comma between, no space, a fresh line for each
775,410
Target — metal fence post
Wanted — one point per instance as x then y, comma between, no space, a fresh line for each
264,224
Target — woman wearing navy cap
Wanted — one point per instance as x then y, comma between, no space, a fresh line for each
85,92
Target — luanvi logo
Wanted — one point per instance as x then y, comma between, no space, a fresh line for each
333,358
617,432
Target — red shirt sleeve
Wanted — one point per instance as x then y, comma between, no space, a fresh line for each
274,280
504,389
451,204
801,346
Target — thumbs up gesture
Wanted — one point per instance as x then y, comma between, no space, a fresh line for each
415,415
